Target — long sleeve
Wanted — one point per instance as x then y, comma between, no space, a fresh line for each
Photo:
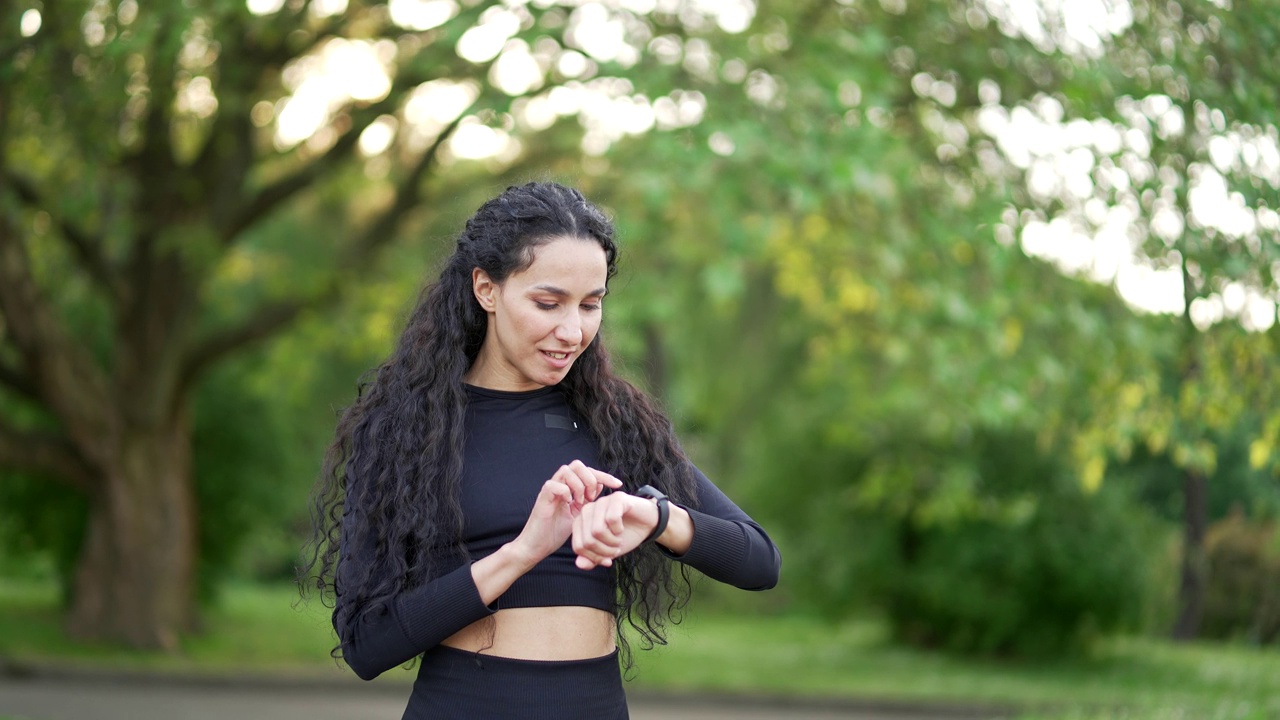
727,544
412,622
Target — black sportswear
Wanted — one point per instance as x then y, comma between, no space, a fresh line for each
515,442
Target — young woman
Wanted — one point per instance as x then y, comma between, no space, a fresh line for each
498,502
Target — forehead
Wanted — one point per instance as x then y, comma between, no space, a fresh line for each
571,263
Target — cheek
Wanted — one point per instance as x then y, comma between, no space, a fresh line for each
530,326
539,329
590,329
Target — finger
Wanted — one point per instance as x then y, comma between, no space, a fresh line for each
595,480
554,493
585,475
591,538
617,523
578,534
583,535
608,528
595,550
593,543
606,479
568,475
586,564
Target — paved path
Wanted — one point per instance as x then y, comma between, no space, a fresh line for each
69,698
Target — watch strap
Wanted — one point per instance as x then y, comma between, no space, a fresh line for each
664,510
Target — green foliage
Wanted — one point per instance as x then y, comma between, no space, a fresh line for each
985,545
250,478
247,479
1243,597
1071,571
822,278
1235,483
41,529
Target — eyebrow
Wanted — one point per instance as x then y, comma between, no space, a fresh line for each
561,292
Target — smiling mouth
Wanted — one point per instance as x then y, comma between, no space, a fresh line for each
557,355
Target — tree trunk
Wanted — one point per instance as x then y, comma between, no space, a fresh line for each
1194,566
135,578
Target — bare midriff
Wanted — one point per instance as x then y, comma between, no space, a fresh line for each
539,633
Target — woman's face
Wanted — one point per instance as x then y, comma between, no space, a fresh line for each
542,318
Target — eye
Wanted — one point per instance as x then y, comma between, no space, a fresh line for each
544,306
591,307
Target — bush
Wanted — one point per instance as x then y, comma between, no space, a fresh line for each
1070,566
1242,598
983,545
1048,585
42,526
253,467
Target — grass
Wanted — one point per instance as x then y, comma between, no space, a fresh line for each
1125,678
257,630
253,629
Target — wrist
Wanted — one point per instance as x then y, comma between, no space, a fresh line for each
678,536
517,556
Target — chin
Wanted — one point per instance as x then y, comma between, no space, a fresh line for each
556,378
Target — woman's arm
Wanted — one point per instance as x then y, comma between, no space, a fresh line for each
412,622
718,539
419,619
723,542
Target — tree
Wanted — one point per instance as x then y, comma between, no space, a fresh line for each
1172,154
864,156
152,158
840,290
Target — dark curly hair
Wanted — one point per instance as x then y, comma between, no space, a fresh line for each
396,457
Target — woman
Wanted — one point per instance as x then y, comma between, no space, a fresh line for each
496,500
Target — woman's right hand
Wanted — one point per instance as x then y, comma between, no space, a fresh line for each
560,501
550,523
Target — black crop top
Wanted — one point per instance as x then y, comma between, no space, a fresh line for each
516,441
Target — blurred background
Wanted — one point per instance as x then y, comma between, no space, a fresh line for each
972,304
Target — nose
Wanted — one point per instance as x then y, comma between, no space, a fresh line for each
569,331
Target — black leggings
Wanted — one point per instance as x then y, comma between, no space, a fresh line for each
456,684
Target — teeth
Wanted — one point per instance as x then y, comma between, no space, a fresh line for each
558,356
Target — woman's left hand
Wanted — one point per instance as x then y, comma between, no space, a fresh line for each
611,527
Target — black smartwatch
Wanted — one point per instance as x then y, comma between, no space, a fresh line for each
664,511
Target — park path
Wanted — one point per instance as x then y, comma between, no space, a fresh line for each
80,698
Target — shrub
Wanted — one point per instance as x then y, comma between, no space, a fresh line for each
1242,598
1043,586
1046,580
983,544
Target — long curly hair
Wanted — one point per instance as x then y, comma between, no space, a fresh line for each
394,467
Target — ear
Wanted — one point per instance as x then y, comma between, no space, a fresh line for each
485,288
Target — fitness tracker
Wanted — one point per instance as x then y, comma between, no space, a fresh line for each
664,511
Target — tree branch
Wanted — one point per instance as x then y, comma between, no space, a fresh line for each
44,454
408,194
413,72
64,375
228,151
268,320
272,196
272,318
282,53
86,248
